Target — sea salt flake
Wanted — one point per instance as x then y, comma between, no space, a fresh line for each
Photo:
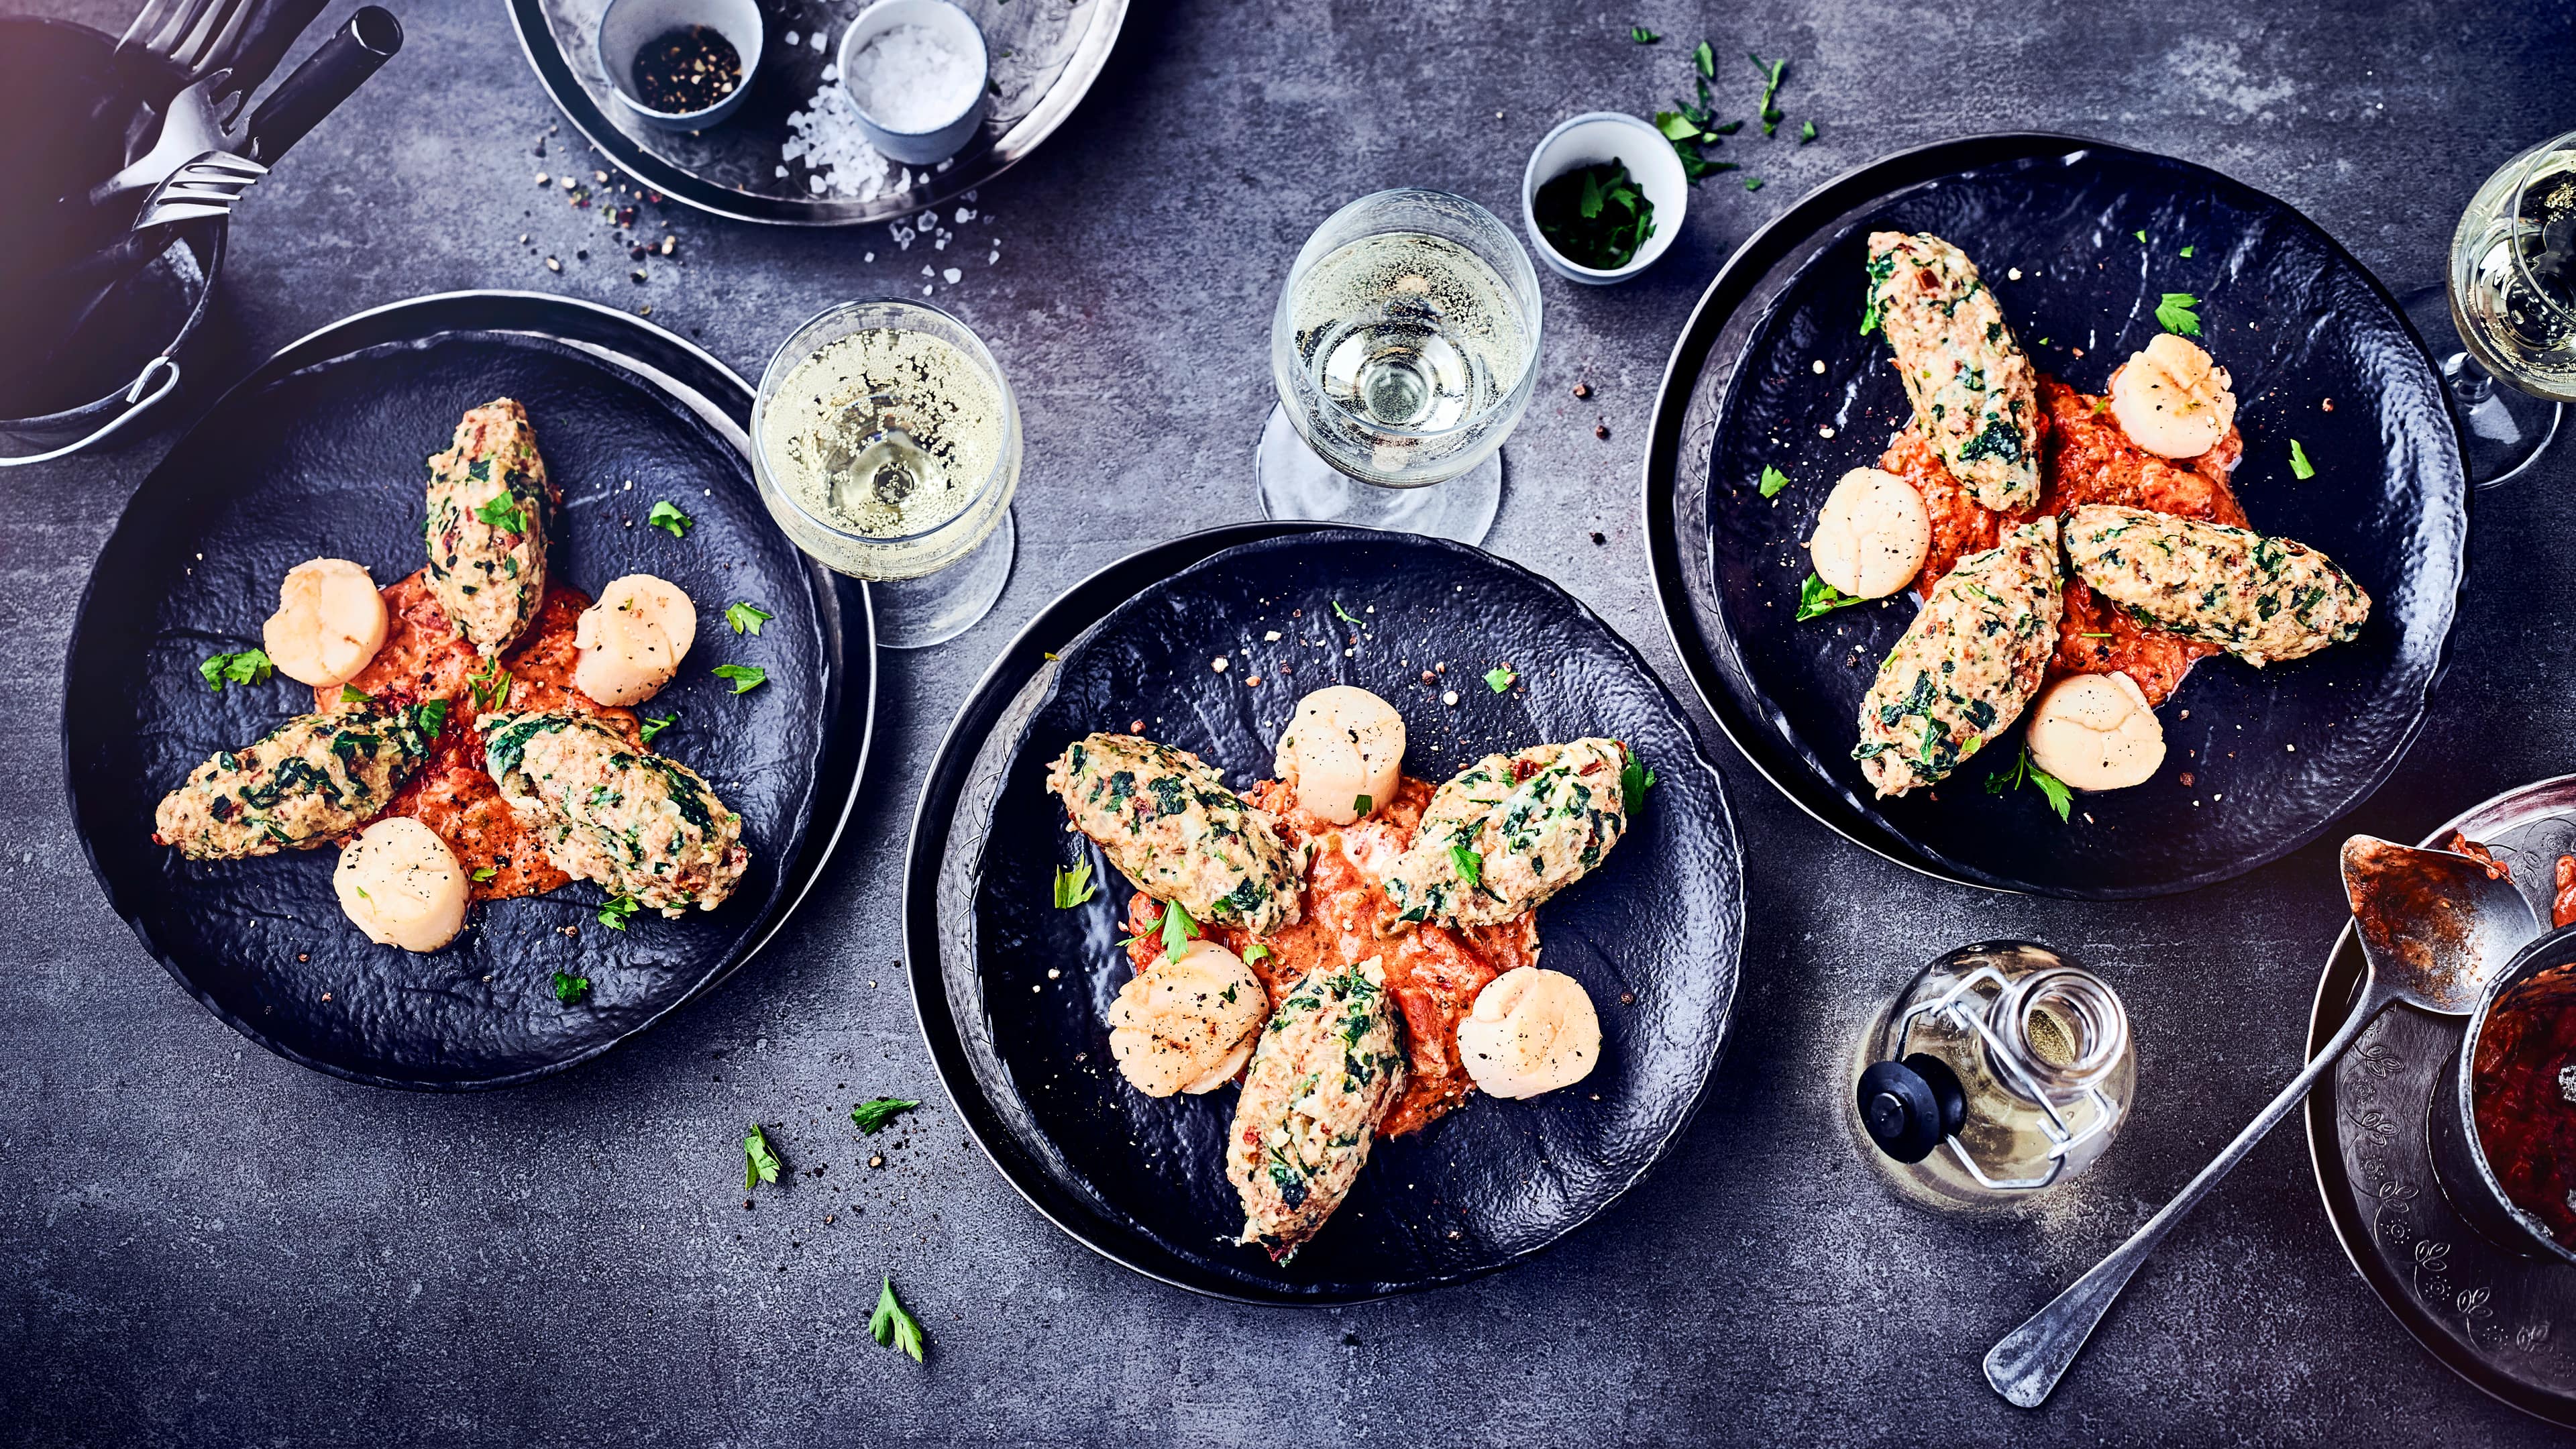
817,39
950,276
791,37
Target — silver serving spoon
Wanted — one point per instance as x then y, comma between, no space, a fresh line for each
2433,926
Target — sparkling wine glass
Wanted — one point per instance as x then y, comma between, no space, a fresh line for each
1404,349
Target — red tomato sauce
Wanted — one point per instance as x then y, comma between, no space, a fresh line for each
2525,1122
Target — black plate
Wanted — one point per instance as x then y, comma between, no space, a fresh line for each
2275,756
319,453
1025,1053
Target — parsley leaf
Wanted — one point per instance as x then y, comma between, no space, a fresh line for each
1346,615
2142,236
2024,772
250,666
429,717
1469,865
2186,251
654,727
1642,35
1806,133
1634,780
1771,112
745,677
667,517
505,514
1500,678
759,1164
872,1115
1178,928
893,1328
1704,60
2174,314
1676,126
487,872
352,694
1073,887
491,687
1255,952
1362,804
2300,467
1753,183
747,617
571,989
1815,597
1773,480
614,912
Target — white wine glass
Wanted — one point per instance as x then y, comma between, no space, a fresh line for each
1404,349
2508,311
886,443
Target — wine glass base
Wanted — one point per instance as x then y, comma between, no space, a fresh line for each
1296,484
2504,427
935,608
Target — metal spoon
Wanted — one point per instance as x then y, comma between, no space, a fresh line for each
2433,926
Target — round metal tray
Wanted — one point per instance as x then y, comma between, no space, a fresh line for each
2498,1319
1045,56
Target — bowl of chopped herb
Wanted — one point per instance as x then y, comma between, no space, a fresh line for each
1602,197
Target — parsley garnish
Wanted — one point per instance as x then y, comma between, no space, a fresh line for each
429,717
1500,678
1178,928
2174,314
250,666
1346,614
893,1328
1693,128
1774,70
1595,216
2186,251
1806,133
1073,887
747,617
1362,804
1815,597
1469,865
1634,780
352,694
1753,183
1642,35
570,989
654,727
487,872
2142,236
667,517
505,514
872,1115
759,1164
616,909
1773,480
1254,952
745,677
2300,467
491,687
2023,772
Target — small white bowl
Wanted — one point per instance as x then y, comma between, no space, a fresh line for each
1589,140
627,26
960,32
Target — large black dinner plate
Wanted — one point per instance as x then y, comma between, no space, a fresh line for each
319,453
1013,993
2271,757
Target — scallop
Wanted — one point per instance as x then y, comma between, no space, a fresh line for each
401,885
1532,1031
330,621
2096,732
1187,1023
632,640
2171,399
1343,753
1873,534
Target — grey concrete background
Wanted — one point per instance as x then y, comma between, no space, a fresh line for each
202,1244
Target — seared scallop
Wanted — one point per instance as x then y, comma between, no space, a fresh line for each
401,885
1186,1023
2096,732
1873,535
330,621
1532,1031
632,640
2171,399
1343,753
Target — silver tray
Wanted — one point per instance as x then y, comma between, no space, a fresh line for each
2504,1322
1046,54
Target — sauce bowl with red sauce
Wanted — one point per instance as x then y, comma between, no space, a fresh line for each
2503,1118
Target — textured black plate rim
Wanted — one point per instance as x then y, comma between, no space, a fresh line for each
537,42
1058,624
1664,529
699,381
2336,987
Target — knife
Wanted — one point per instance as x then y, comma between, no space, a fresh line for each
326,78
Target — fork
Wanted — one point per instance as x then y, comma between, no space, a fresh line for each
182,33
201,189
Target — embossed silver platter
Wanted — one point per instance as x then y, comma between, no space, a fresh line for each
2504,1322
1045,55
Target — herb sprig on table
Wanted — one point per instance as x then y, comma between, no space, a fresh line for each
892,1327
1595,216
2025,772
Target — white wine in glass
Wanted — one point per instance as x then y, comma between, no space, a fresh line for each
2511,301
1403,349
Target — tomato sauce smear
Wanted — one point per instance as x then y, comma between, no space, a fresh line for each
1433,972
422,659
2084,458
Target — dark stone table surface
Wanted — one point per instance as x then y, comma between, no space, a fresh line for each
200,1243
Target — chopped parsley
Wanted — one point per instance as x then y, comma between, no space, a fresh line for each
1753,183
1346,615
1772,70
2300,467
429,717
759,1164
1073,887
571,989
745,677
2186,251
1362,804
2141,235
1815,597
487,872
1500,678
1595,216
1773,480
2174,314
1178,928
250,666
352,694
2023,772
1634,781
747,617
505,514
1642,35
615,910
491,687
1806,133
1690,129
1469,865
667,517
1254,952
872,1115
893,1328
654,726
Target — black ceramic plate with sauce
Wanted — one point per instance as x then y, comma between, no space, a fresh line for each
1013,993
2273,757
318,453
